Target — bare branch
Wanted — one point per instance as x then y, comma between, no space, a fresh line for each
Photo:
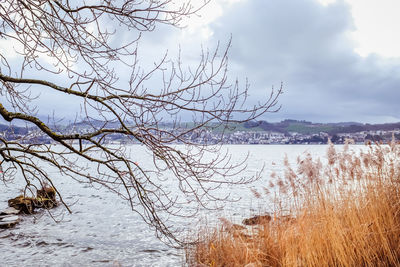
67,48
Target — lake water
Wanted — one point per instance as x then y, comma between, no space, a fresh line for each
103,231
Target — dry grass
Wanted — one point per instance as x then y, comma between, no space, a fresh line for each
342,213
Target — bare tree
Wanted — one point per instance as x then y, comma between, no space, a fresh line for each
70,47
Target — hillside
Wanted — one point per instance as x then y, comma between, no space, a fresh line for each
306,127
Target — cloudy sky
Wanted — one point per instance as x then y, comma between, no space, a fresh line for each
338,60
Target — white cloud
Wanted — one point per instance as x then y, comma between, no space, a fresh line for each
307,46
377,24
377,27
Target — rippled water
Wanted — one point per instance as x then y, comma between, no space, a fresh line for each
103,231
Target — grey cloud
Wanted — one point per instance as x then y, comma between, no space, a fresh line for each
306,45
299,42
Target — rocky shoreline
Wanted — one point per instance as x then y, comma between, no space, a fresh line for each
45,198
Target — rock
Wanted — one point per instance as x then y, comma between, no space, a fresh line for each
9,218
259,219
8,221
6,225
47,192
10,211
24,204
46,198
46,203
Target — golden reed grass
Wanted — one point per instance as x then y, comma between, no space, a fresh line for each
344,212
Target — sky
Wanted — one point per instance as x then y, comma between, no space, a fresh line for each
338,60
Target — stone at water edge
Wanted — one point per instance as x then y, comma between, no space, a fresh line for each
9,218
46,203
10,211
6,225
8,221
259,219
47,193
24,204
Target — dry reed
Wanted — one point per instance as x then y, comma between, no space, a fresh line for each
345,212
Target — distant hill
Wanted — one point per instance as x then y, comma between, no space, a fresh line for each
13,129
306,127
286,127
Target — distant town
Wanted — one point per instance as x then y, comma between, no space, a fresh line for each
250,137
254,132
299,132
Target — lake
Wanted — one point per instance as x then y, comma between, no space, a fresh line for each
103,231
